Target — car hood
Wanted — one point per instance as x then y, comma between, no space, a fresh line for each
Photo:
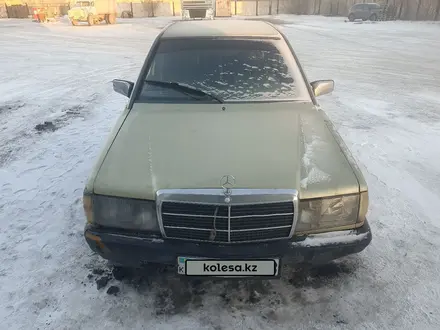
266,145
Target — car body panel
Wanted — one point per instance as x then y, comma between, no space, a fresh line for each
347,153
266,145
91,179
220,28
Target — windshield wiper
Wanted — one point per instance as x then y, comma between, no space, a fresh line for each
184,88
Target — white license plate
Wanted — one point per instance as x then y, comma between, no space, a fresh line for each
193,266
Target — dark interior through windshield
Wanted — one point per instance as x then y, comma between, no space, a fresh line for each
232,69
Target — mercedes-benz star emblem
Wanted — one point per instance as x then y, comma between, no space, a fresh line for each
227,182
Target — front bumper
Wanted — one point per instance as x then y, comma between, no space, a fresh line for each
134,250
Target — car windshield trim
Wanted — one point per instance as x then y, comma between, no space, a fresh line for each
185,89
260,101
285,83
269,101
233,37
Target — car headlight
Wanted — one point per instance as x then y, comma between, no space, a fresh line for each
324,214
125,213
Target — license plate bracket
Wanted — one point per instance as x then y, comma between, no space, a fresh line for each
229,267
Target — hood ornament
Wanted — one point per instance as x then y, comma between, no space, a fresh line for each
227,182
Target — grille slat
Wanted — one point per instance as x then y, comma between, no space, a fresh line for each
223,217
192,228
260,235
198,222
233,223
197,235
196,209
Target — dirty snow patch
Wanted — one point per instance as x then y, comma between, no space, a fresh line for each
337,237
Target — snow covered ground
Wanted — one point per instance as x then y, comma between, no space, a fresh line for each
386,106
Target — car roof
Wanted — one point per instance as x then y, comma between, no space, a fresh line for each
221,28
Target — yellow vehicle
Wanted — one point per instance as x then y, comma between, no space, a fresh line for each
45,14
93,12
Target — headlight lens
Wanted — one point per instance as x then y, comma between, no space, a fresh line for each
125,213
326,213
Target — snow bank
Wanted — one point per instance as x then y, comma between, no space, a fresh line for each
338,237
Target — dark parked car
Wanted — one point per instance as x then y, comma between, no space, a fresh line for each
365,11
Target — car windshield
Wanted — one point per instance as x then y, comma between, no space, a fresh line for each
242,70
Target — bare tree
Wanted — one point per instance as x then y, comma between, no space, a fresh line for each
150,7
419,3
399,12
437,11
293,7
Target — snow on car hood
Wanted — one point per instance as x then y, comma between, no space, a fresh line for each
276,145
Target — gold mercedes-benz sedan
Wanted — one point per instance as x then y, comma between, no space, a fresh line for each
223,163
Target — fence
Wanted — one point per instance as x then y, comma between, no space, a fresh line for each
401,9
3,12
25,11
17,11
404,9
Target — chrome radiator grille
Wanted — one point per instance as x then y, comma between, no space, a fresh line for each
251,216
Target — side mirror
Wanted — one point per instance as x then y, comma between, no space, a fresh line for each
123,87
322,87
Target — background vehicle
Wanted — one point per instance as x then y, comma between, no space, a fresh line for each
364,11
44,14
197,9
93,12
